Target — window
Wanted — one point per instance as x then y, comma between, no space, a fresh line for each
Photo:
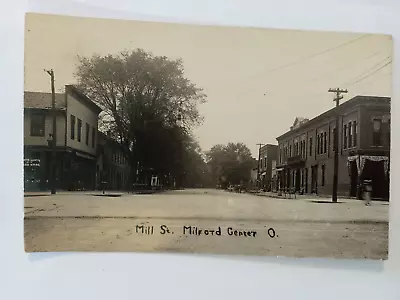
350,130
388,132
302,148
93,137
72,127
265,162
377,132
324,142
87,133
321,150
323,175
37,124
290,151
79,130
318,143
310,146
334,139
261,162
345,137
354,133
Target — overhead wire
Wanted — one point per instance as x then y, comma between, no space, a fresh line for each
365,76
312,56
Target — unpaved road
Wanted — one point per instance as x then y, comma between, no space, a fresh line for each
229,224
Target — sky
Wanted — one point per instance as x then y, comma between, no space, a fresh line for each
257,80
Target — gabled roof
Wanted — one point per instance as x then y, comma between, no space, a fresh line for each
298,121
69,88
42,100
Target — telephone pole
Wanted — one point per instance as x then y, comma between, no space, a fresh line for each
53,135
258,164
338,97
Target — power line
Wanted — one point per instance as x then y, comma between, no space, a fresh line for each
313,55
368,75
340,69
368,70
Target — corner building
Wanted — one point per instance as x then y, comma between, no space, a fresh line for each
76,140
306,151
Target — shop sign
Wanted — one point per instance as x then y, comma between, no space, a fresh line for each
84,156
29,162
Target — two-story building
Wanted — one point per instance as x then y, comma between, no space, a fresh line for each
268,157
306,151
113,169
76,140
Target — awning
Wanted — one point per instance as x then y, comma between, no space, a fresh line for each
263,173
279,169
360,161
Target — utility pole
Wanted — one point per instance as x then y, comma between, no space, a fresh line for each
54,135
258,164
338,97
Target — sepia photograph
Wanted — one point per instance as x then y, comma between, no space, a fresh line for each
182,138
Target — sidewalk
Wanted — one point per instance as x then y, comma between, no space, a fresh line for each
93,193
309,197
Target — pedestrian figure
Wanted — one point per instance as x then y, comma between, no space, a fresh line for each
367,192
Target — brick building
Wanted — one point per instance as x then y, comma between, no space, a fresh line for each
306,151
268,158
76,140
112,166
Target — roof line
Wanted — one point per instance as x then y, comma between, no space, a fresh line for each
353,101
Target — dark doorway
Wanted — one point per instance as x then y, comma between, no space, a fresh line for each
297,180
374,171
353,179
306,181
314,179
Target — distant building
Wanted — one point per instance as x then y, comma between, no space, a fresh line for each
76,140
112,168
306,151
268,157
253,175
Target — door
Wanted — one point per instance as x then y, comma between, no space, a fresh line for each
353,179
306,181
297,183
314,179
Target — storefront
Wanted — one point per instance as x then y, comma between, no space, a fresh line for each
369,167
79,171
32,174
73,170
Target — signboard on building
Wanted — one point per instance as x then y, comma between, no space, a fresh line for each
29,162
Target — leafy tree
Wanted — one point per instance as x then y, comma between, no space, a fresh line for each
143,97
196,170
230,164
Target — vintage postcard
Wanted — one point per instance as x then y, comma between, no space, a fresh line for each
159,137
